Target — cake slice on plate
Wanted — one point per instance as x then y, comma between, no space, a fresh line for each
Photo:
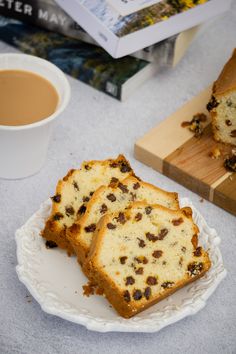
73,193
152,253
111,199
222,106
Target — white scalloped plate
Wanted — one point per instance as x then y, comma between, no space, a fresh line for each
55,281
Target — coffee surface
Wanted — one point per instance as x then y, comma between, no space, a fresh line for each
25,97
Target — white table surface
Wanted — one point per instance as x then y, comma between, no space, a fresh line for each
96,126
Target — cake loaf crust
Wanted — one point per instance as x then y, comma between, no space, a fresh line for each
134,278
226,81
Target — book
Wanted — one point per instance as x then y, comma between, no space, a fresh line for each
122,35
86,62
47,14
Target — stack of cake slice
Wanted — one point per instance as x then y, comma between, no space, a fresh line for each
130,237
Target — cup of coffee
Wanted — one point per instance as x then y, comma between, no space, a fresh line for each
33,94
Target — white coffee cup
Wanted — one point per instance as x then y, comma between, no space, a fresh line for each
23,148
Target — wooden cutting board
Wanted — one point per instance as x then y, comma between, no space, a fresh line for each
175,152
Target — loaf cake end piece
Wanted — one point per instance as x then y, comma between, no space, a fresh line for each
222,105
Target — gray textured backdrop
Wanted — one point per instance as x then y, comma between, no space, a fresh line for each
96,126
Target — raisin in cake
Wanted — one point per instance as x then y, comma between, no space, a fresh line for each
149,255
111,199
222,106
74,192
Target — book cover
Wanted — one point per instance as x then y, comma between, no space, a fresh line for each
86,62
47,14
127,7
122,35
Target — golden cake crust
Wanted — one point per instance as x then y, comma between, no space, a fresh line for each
52,230
226,81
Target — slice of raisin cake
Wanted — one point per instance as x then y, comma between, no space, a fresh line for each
73,193
111,199
222,105
152,253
